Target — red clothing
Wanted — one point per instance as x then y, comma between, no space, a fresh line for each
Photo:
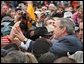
76,18
5,40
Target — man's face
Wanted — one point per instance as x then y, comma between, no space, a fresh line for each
81,30
58,32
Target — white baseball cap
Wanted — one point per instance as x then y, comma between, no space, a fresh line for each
67,14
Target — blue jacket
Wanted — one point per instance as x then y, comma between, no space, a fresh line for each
69,43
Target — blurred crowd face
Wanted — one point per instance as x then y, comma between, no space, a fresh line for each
69,8
51,7
80,11
50,22
81,31
44,9
59,10
4,9
12,14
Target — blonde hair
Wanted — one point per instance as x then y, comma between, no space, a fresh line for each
31,57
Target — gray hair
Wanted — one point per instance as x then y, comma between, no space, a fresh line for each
68,23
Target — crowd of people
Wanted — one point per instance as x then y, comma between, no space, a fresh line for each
41,31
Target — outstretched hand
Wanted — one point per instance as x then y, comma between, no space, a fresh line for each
18,33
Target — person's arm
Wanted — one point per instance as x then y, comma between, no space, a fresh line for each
22,40
25,43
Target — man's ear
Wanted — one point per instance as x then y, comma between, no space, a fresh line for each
63,29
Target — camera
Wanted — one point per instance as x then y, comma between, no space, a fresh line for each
24,23
24,20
